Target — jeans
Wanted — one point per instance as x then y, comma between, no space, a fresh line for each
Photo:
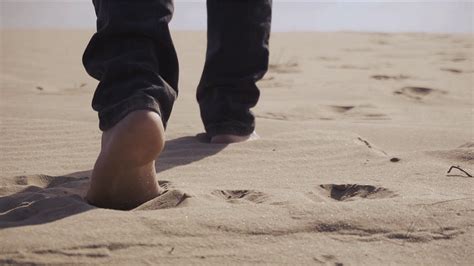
133,57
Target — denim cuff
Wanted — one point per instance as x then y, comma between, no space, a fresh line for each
110,116
231,127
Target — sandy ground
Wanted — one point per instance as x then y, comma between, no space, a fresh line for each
358,132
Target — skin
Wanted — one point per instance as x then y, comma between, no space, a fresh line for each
124,174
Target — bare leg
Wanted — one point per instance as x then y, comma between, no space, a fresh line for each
124,174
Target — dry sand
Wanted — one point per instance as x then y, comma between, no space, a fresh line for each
319,187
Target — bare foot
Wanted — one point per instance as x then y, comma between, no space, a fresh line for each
227,138
124,174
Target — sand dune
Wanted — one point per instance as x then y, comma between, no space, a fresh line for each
358,131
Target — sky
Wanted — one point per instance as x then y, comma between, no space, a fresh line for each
297,15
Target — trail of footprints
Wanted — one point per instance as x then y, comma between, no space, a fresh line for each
329,112
418,93
414,92
175,198
45,186
333,192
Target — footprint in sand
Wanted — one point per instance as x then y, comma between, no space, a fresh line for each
452,70
277,116
43,198
388,77
350,67
327,112
357,50
290,66
418,93
458,59
276,82
380,42
327,259
469,144
341,108
326,58
349,192
237,196
76,88
363,111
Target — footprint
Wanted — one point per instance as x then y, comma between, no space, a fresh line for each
341,108
458,59
380,42
418,93
276,82
268,78
387,77
469,144
452,70
273,116
363,111
327,259
46,181
235,196
327,112
47,198
348,192
290,66
350,67
39,209
72,90
358,50
327,58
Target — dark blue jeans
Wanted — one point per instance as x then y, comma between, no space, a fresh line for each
133,57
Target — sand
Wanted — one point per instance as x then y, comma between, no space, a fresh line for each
358,131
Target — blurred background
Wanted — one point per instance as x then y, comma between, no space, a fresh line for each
350,15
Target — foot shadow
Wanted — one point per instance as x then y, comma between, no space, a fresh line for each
43,199
46,199
186,150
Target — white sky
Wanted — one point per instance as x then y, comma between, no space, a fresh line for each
297,15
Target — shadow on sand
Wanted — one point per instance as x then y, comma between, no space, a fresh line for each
49,198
